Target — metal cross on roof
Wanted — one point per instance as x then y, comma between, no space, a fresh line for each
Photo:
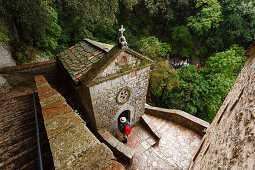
121,30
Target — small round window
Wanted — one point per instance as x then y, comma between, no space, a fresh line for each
123,95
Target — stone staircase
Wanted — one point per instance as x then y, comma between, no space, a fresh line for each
18,134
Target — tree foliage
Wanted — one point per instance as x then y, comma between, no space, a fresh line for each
153,48
200,29
181,40
162,80
209,17
200,91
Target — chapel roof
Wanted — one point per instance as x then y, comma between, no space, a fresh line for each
81,57
87,59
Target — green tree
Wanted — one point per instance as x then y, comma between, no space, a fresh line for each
209,17
162,80
31,19
237,27
153,48
80,18
201,91
182,42
189,96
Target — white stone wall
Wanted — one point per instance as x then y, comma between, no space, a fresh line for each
104,102
113,68
230,141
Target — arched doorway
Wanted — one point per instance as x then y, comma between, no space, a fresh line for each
127,111
126,114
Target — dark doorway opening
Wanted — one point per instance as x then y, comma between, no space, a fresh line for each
125,114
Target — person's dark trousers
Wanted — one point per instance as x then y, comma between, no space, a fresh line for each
125,140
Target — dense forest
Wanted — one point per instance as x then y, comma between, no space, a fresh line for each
214,33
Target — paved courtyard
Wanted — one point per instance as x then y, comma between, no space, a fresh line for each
174,151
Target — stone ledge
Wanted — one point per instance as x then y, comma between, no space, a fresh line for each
146,123
72,144
115,166
117,147
179,117
20,67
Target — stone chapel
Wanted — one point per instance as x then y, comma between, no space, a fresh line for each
110,81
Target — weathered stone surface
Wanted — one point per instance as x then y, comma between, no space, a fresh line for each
174,150
230,141
4,85
96,158
72,144
180,117
61,122
115,166
118,147
104,101
23,75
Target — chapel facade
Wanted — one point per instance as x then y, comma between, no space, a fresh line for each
110,81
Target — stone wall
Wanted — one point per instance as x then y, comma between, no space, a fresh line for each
72,144
23,75
115,66
179,117
230,141
105,106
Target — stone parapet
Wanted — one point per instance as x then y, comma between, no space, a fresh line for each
179,117
23,75
145,121
72,144
119,149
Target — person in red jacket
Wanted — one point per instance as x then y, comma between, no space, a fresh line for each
124,128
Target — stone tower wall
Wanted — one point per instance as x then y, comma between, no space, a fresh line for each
230,141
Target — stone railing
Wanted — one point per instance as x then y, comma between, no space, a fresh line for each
23,75
72,144
119,149
179,117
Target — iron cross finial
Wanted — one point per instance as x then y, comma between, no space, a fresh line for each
121,30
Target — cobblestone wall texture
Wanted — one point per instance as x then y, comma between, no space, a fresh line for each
230,141
72,144
115,66
103,96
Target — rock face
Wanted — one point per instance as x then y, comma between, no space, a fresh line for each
5,56
230,141
5,53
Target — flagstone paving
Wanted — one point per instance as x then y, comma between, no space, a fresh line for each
174,151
